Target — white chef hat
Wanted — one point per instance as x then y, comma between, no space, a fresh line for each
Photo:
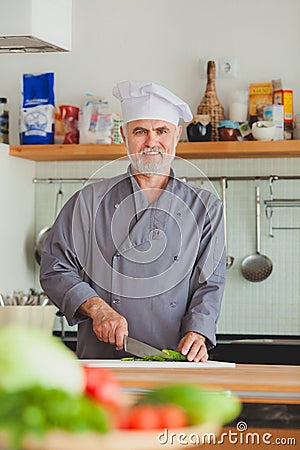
142,100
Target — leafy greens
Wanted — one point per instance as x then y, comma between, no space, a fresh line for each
171,355
37,410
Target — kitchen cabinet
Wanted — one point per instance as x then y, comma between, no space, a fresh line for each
186,150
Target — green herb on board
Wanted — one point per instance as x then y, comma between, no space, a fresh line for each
171,355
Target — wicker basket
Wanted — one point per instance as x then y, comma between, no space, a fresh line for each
210,104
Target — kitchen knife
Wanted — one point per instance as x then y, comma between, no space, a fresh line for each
141,349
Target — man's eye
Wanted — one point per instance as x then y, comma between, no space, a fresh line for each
162,131
139,132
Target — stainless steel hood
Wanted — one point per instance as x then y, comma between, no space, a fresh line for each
33,26
26,44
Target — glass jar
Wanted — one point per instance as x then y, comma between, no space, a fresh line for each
4,121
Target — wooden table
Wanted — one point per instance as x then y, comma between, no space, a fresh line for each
251,382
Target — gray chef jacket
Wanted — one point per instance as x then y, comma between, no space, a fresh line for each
161,265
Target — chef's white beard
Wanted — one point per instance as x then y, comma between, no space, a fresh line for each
152,168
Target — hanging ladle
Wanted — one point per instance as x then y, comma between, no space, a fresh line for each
229,259
257,267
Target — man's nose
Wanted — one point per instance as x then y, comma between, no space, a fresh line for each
151,139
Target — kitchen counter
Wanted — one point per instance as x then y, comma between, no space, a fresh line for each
270,394
251,382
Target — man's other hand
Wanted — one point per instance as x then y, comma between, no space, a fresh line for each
193,346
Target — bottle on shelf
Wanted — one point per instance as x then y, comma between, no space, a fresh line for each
210,104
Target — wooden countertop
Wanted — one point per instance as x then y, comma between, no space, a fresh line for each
251,382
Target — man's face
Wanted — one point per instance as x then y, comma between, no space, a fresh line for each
151,145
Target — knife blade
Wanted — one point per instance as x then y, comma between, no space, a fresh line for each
141,349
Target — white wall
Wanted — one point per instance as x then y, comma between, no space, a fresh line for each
162,41
16,222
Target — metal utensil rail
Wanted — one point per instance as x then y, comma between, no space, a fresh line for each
213,178
269,204
278,203
282,202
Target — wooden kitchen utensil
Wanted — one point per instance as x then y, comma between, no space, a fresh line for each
210,104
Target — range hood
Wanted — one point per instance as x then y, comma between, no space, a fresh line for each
34,26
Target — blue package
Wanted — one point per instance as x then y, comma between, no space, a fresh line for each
37,109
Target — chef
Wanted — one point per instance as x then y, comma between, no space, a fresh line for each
141,254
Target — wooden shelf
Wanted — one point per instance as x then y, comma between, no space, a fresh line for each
187,150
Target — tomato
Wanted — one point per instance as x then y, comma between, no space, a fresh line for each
144,417
102,386
150,417
172,416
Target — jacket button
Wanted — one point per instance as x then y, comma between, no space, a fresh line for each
118,255
173,304
156,234
116,301
175,257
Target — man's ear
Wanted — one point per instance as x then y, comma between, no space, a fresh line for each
123,133
178,134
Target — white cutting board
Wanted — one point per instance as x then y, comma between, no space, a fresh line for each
117,363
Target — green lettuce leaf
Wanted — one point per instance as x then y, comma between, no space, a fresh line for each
37,410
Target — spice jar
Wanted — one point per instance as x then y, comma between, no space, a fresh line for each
4,121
